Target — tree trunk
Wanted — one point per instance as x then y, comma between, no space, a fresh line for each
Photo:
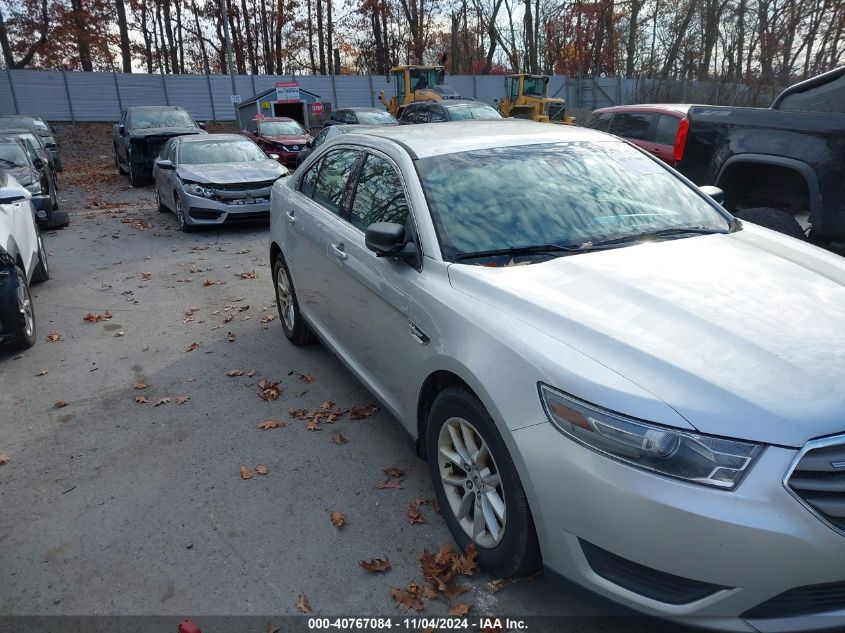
320,40
677,39
631,47
330,39
311,39
123,29
82,45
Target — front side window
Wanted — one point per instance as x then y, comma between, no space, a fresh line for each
534,87
222,151
436,114
600,122
12,155
33,155
379,195
636,125
332,178
573,195
376,118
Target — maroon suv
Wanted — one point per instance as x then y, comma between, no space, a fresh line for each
278,135
660,129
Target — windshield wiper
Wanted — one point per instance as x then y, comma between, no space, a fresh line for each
9,162
677,230
535,249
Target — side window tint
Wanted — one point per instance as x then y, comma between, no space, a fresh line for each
437,114
321,138
667,129
331,181
306,184
633,125
379,196
33,155
349,117
600,122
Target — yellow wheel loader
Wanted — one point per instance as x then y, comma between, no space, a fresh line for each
527,98
416,83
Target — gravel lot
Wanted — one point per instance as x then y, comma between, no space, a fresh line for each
114,506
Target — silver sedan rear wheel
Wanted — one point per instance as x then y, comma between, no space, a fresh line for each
471,482
286,309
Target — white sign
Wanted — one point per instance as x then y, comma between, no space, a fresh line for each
287,91
235,98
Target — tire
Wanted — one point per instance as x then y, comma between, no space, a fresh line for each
57,162
117,164
135,179
159,204
54,198
42,269
507,545
180,215
293,324
23,335
773,219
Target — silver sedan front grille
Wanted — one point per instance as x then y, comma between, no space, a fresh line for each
817,480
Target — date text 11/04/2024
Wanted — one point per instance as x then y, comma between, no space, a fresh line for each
418,624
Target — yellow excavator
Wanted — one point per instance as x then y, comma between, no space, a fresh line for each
416,83
527,98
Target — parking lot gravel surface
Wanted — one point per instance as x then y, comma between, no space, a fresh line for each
125,439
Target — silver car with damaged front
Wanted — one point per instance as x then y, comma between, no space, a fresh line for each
214,178
605,370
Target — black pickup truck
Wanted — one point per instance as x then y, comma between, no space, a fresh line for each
782,167
140,134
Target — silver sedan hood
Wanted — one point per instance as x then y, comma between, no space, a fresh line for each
742,334
231,173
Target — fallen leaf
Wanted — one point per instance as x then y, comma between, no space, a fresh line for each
497,585
139,385
453,590
161,401
261,469
300,414
235,372
43,372
307,377
228,318
313,425
269,390
250,373
375,565
337,518
208,282
302,604
192,347
406,599
53,336
146,276
362,411
390,483
272,424
459,609
247,275
467,565
61,403
246,473
230,337
268,318
340,438
96,316
182,399
119,334
4,459
141,400
413,513
393,472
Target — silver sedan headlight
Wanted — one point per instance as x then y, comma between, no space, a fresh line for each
701,459
199,190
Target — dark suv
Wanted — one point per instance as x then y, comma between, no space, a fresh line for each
451,110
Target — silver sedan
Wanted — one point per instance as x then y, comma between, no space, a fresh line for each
214,178
606,372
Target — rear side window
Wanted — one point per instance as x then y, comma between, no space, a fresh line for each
667,129
331,182
601,122
437,114
379,196
636,125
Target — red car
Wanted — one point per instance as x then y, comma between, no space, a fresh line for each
658,128
278,135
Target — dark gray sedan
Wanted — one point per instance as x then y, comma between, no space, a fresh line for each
214,178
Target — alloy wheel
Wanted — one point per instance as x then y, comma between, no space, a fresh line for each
471,482
180,214
25,307
285,297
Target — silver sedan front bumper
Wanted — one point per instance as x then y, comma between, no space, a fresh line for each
230,204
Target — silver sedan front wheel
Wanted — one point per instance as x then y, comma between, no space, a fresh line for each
472,483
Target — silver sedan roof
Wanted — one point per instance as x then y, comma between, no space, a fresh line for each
434,139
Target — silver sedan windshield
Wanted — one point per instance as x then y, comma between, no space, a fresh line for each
209,152
567,194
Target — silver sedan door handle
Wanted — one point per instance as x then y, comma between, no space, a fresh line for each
339,251
291,217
